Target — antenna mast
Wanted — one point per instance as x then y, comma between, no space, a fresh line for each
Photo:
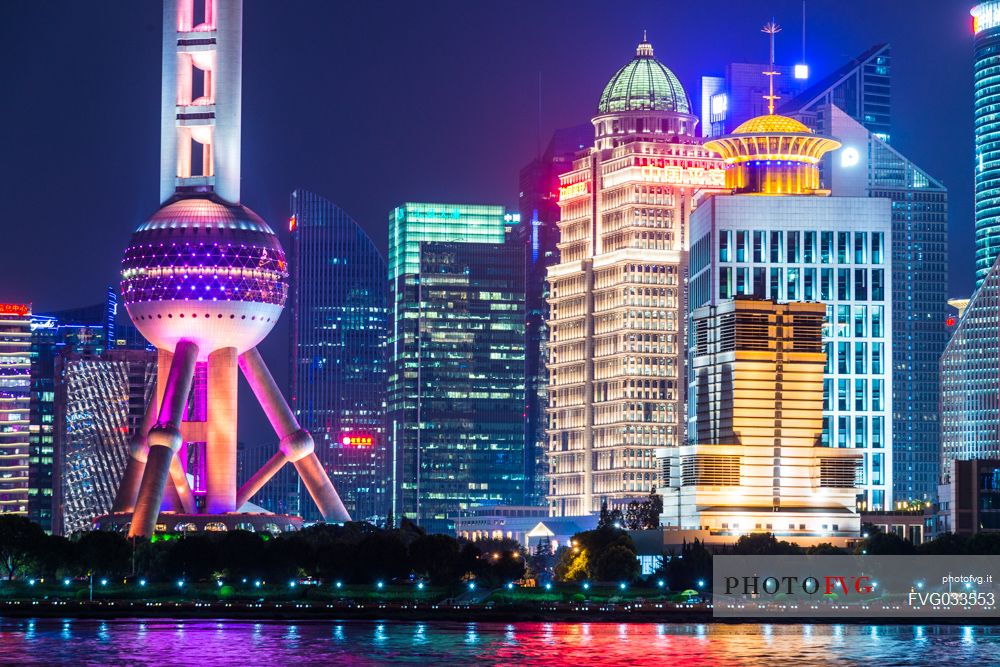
771,29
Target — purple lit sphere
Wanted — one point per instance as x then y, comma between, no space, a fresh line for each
207,272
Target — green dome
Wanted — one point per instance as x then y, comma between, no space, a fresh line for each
642,85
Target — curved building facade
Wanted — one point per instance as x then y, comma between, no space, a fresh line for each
986,19
337,348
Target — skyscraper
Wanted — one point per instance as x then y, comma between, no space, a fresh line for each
859,87
986,25
777,236
100,401
729,100
617,295
969,382
756,399
456,362
337,349
538,234
852,103
868,167
89,331
15,399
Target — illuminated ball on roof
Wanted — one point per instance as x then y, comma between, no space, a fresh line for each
207,272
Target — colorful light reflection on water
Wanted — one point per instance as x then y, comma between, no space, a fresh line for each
254,644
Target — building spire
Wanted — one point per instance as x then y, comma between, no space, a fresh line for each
645,49
771,28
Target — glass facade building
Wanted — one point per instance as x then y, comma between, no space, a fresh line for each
538,235
100,402
867,166
456,362
834,250
89,330
15,399
338,350
970,384
986,19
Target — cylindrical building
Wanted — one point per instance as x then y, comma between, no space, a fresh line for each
986,25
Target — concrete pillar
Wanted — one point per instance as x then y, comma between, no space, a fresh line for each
164,439
220,449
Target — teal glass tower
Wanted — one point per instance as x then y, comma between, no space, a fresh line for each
455,400
986,22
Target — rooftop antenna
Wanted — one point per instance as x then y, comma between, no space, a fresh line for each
803,31
771,28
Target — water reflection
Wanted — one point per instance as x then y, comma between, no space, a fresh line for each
83,642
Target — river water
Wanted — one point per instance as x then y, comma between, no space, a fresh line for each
257,644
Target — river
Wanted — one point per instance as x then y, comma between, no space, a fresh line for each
256,644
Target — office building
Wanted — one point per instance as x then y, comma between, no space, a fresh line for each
15,405
866,166
852,103
338,349
617,295
88,331
756,399
778,237
538,234
986,97
738,95
100,402
456,362
970,499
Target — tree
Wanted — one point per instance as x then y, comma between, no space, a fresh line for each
21,542
764,544
691,565
616,563
610,518
885,544
588,557
103,552
435,556
984,544
946,544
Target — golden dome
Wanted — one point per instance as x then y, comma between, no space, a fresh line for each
772,123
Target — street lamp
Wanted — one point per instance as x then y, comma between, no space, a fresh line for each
586,585
621,586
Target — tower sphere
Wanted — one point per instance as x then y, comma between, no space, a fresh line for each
204,271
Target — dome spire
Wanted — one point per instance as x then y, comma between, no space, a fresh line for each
771,28
645,49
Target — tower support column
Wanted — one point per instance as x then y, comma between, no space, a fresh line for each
220,448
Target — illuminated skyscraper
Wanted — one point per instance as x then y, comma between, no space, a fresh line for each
617,296
456,362
338,355
778,235
15,393
88,331
755,462
969,382
986,22
538,234
859,87
100,401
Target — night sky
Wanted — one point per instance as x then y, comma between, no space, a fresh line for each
374,103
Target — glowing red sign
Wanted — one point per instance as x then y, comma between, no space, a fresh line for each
950,322
356,440
292,223
14,309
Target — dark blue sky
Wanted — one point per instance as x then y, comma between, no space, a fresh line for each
373,103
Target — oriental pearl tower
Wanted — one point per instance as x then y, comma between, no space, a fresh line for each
205,280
